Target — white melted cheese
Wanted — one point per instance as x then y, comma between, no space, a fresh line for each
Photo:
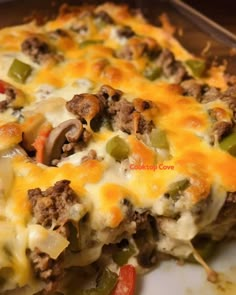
47,91
53,109
101,186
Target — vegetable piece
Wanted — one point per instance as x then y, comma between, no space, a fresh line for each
122,255
177,187
19,71
105,285
152,73
6,176
47,241
229,144
31,128
126,281
89,42
158,139
40,141
107,281
2,87
197,67
117,148
69,130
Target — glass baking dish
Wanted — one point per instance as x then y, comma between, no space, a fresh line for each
196,40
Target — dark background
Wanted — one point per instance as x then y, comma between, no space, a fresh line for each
193,38
222,11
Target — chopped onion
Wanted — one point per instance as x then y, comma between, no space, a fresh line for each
47,241
10,153
6,175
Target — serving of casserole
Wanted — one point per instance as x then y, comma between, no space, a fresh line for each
117,151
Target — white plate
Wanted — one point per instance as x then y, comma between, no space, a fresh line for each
189,279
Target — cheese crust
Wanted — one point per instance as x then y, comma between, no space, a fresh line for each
89,76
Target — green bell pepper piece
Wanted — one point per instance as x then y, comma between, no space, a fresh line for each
229,144
122,256
197,67
117,148
89,42
105,285
177,187
152,73
158,139
19,71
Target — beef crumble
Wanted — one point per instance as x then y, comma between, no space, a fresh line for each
38,50
50,209
138,47
124,115
171,68
126,118
47,269
85,106
205,94
10,94
109,103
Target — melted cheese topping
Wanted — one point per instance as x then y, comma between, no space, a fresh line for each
103,185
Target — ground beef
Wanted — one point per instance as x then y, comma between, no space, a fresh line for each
92,155
58,33
10,93
126,118
86,106
50,209
176,71
49,270
137,47
125,115
134,49
108,105
220,130
3,106
122,113
229,97
191,88
230,79
38,50
171,68
125,32
104,17
210,94
107,93
205,94
73,147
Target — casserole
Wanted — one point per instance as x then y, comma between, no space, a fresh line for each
77,146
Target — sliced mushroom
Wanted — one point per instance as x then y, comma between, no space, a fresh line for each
70,130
